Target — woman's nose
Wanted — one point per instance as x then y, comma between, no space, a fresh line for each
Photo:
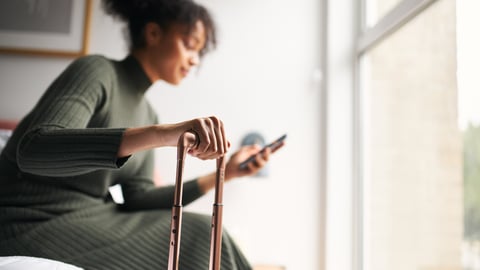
194,59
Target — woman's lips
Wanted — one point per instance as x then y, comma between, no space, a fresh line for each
184,72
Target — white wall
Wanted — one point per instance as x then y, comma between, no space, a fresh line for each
24,78
341,251
261,78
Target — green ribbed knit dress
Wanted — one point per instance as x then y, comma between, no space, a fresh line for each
57,167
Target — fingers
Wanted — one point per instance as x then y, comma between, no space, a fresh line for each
249,150
261,159
220,142
225,143
213,141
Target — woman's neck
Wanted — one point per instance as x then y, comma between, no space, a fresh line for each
142,58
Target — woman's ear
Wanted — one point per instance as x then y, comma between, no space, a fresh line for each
153,33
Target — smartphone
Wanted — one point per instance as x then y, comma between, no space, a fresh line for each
273,146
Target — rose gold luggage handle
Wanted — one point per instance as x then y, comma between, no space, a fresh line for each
217,215
187,141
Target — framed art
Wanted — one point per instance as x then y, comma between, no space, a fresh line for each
45,27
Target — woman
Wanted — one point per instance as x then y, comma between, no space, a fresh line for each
93,128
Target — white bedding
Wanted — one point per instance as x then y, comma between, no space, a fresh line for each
4,135
29,263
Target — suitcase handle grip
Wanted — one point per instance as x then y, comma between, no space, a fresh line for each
189,139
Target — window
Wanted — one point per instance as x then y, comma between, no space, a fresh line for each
376,9
419,145
468,58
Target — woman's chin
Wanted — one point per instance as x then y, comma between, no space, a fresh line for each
175,81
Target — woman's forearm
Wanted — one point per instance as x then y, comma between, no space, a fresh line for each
148,137
207,182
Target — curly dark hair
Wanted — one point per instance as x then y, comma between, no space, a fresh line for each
137,13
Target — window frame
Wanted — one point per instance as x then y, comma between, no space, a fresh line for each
367,38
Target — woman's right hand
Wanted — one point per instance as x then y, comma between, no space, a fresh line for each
213,142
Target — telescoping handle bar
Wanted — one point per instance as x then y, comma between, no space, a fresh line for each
187,141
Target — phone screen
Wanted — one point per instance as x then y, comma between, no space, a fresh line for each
273,146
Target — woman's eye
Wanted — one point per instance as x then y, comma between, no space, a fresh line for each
189,43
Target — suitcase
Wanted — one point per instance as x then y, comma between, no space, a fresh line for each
186,141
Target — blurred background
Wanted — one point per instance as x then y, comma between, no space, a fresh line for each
381,167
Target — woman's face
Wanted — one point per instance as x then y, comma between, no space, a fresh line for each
173,53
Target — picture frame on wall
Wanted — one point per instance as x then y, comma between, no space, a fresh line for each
45,27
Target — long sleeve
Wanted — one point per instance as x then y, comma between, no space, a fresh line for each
66,152
57,141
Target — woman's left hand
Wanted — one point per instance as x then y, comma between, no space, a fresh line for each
232,169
